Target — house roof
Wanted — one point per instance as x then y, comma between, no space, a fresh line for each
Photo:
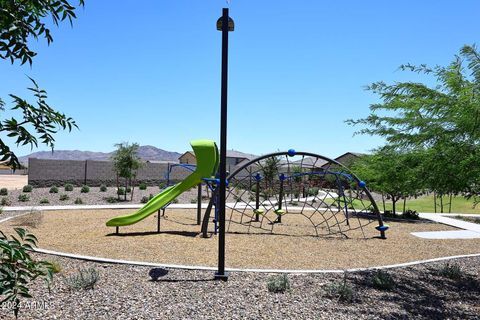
311,162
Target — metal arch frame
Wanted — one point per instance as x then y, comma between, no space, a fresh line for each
331,161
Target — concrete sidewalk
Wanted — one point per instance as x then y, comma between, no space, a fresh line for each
469,230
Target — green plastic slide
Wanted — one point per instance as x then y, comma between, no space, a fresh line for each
206,152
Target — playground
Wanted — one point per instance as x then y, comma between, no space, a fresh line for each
79,232
285,211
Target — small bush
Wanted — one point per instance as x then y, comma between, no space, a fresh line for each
111,199
382,280
312,192
121,191
44,201
64,197
3,192
54,189
142,186
150,196
78,201
103,188
278,283
194,200
85,189
5,202
84,279
144,199
411,214
23,198
27,188
341,290
451,271
128,190
68,187
55,266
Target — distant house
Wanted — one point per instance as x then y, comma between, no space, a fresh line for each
348,158
233,158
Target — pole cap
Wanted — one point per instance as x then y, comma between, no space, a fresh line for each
231,24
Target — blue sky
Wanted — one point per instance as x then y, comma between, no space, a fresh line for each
149,71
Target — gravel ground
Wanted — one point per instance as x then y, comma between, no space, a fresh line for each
93,197
127,292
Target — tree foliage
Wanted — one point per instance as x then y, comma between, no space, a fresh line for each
440,122
38,123
392,173
126,162
22,19
19,22
18,268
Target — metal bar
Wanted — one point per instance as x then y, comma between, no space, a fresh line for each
223,149
199,204
158,221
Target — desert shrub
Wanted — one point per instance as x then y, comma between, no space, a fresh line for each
278,283
54,189
150,196
142,186
111,199
78,201
312,192
341,290
411,214
18,269
64,197
85,189
68,187
144,199
103,188
84,279
3,192
23,198
193,200
44,201
56,266
5,202
382,280
451,271
128,190
27,188
121,191
31,220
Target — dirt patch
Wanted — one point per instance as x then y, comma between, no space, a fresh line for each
84,232
13,181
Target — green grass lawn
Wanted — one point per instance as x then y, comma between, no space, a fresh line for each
425,204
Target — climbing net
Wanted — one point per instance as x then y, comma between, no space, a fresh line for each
299,194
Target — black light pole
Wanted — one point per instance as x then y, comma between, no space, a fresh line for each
224,24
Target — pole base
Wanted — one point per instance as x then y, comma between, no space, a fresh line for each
223,277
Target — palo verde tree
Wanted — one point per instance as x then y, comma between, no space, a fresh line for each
442,120
390,173
20,21
126,163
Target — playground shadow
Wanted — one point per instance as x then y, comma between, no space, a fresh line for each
190,234
157,273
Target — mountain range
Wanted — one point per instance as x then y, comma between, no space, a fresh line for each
147,153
